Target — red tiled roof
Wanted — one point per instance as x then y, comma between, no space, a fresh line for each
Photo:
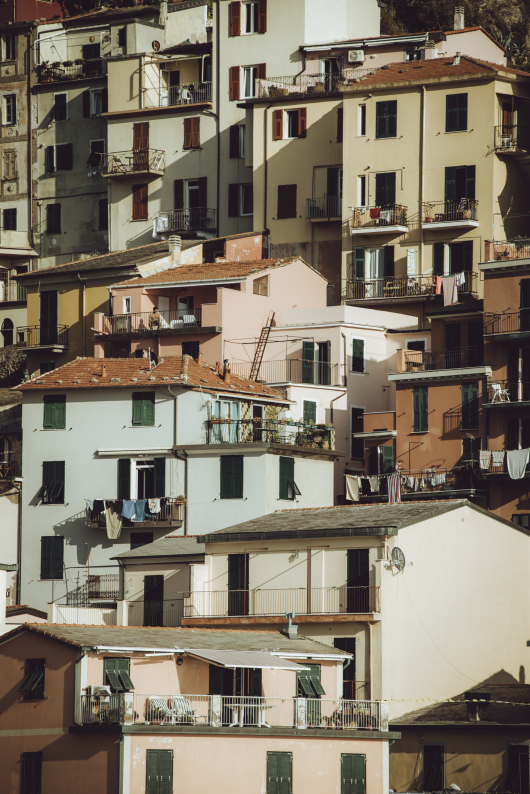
119,373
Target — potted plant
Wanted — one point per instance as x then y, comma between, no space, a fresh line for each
67,63
180,500
79,61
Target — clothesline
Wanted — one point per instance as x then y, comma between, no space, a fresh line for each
517,460
137,510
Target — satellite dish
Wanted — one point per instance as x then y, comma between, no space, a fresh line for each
398,558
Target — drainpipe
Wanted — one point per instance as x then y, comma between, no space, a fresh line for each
141,82
77,715
218,106
331,407
422,181
184,458
83,352
30,142
345,358
371,684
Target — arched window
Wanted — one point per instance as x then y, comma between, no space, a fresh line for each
7,332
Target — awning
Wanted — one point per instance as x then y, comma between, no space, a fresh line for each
245,659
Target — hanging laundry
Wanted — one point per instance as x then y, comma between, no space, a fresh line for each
438,281
352,488
99,505
387,216
89,504
129,509
484,457
517,460
375,213
113,521
154,506
410,483
140,510
394,490
460,279
497,457
374,484
450,292
438,479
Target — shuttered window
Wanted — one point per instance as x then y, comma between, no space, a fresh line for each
51,557
340,125
143,408
308,362
124,478
357,426
262,16
385,189
459,183
10,220
288,486
470,450
387,459
231,476
234,83
140,203
31,773
192,136
470,405
234,141
438,252
456,112
286,201
310,412
357,355
52,489
116,674
277,125
160,477
420,409
279,773
64,156
386,119
359,263
352,773
33,682
235,18
53,219
308,682
54,412
159,771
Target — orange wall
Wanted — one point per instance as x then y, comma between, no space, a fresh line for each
380,421
502,291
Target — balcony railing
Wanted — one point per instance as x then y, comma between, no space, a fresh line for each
512,136
325,207
71,70
11,291
301,601
309,83
10,465
156,613
248,431
450,211
379,216
508,391
190,220
171,511
506,322
42,335
502,251
233,711
458,478
103,586
450,358
293,370
403,287
189,94
133,161
142,323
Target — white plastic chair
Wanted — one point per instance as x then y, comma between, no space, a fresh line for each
499,395
182,709
158,709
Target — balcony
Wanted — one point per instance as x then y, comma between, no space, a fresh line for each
512,139
11,291
293,370
324,209
288,85
462,214
141,324
426,484
506,394
190,94
410,287
10,465
196,219
420,365
43,337
389,219
284,431
166,613
506,326
131,708
133,163
171,514
504,251
79,69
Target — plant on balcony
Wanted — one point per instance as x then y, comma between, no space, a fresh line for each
67,63
79,61
56,64
180,500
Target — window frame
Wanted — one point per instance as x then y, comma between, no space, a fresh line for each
93,93
260,286
54,417
9,50
31,781
357,371
54,147
273,786
456,113
433,744
47,575
144,398
242,189
242,140
10,110
65,117
11,227
361,120
253,17
9,164
52,492
288,191
233,492
33,676
93,152
390,120
471,408
243,81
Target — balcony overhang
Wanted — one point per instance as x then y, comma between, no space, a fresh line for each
329,219
148,332
499,265
507,404
379,230
426,496
441,374
53,348
459,224
508,337
277,620
377,434
267,447
125,175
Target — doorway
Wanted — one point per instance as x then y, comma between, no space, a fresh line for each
238,580
153,601
48,317
358,580
324,363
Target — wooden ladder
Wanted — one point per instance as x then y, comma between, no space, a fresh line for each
260,348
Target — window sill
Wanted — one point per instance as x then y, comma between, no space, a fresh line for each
43,429
389,138
356,372
418,432
451,132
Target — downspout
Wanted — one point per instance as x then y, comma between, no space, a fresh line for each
83,351
19,540
30,142
422,184
141,82
370,639
77,715
183,458
218,105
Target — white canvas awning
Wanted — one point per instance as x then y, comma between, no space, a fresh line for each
245,659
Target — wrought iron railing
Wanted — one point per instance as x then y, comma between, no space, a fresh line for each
145,323
499,250
103,585
247,431
404,287
449,211
194,219
457,478
10,465
71,70
508,391
42,335
512,136
310,83
12,291
293,370
379,216
324,207
233,711
506,322
450,358
188,94
156,613
170,511
132,161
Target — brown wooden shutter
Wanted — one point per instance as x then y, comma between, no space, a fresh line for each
234,141
262,16
187,133
141,135
10,165
235,18
302,122
340,125
233,201
179,194
277,127
262,71
286,201
203,192
195,132
234,83
140,205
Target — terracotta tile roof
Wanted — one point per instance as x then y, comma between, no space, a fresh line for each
120,373
212,272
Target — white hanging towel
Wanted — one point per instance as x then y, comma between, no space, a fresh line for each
517,460
484,457
352,488
497,457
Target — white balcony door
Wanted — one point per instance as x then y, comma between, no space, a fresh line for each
374,288
226,409
163,308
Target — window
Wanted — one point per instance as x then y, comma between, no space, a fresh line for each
127,305
279,773
140,203
288,487
286,201
289,124
51,557
522,520
191,349
116,674
59,157
433,767
357,426
250,18
386,119
381,459
31,773
249,75
470,450
308,362
340,125
238,138
246,199
357,355
361,191
460,256
10,220
231,476
33,683
59,106
352,773
53,219
139,539
261,286
456,112
460,184
10,109
122,37
470,405
159,771
97,148
9,47
103,215
246,18
192,137
52,490
95,102
361,120
518,773
310,412
385,189
415,55
10,165
54,412
420,409
91,51
308,682
46,366
143,408
348,673
193,194
416,344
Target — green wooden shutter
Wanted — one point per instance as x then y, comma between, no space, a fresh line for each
165,771
389,261
387,453
226,477
438,251
357,355
373,460
314,677
359,263
31,773
286,474
385,189
470,181
124,478
303,684
255,687
353,773
49,412
110,674
237,476
469,405
279,773
48,470
148,408
391,119
450,184
380,120
160,477
123,670
310,412
308,360
137,402
46,557
57,492
60,412
468,255
386,119
456,112
57,560
420,407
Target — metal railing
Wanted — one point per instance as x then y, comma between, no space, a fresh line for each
247,431
309,83
103,586
68,614
169,512
144,323
508,391
324,207
11,291
457,478
379,216
506,322
166,613
302,601
10,465
188,94
232,711
132,161
293,370
194,219
71,70
512,136
403,287
42,335
450,358
505,250
449,211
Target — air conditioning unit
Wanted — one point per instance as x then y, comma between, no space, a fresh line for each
356,56
98,691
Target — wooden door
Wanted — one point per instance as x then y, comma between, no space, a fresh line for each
140,145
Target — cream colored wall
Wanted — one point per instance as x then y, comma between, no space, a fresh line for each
176,578
124,87
187,24
475,43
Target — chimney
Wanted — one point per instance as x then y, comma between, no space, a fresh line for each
174,248
103,371
226,371
162,17
459,18
430,50
477,705
199,357
290,631
456,59
217,367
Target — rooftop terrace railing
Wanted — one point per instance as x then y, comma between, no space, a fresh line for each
188,220
293,370
71,70
506,322
248,431
142,323
318,83
504,250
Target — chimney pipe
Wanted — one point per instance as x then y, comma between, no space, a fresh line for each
174,248
199,357
218,367
459,18
456,59
226,371
103,371
477,705
290,631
